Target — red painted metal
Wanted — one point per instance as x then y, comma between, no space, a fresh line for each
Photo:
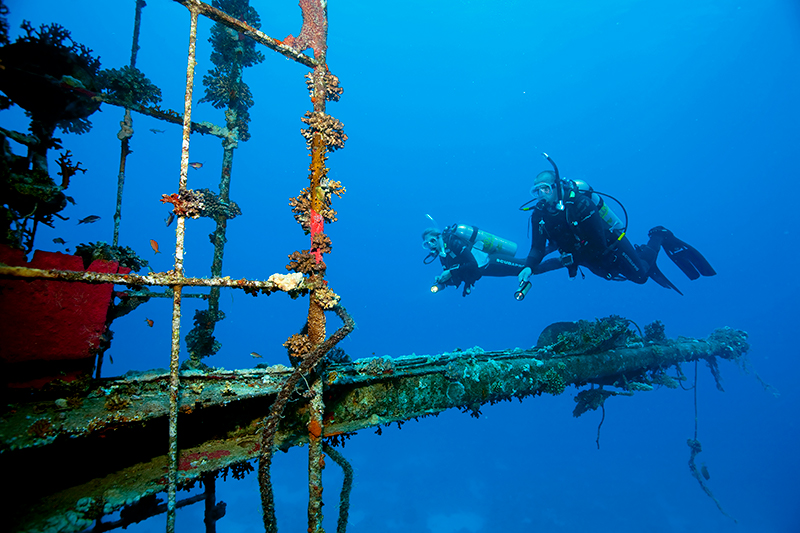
51,329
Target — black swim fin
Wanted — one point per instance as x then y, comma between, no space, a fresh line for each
689,260
656,275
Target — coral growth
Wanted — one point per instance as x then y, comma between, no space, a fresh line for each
591,337
337,355
67,168
124,255
306,263
200,341
298,346
326,298
553,383
301,204
130,86
286,282
327,81
654,332
232,52
314,33
116,401
41,428
330,128
201,203
51,76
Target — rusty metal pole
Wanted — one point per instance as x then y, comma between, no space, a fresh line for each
174,366
127,127
316,314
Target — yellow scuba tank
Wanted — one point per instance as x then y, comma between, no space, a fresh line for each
610,217
485,241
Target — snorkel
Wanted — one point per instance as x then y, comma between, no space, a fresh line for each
437,250
557,184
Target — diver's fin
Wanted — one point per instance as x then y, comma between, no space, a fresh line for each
689,260
656,275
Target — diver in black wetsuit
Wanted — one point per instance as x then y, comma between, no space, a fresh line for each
468,253
575,219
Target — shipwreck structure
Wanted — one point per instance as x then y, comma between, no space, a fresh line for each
193,422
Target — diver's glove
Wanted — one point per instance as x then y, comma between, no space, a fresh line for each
443,278
524,275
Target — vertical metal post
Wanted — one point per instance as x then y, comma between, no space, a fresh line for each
316,314
174,366
127,128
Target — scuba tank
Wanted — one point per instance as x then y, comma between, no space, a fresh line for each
610,217
485,241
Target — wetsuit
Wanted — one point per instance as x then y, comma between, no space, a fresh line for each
464,267
580,232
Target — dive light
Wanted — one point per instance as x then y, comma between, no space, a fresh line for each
524,287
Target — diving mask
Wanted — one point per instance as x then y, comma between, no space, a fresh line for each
541,191
433,243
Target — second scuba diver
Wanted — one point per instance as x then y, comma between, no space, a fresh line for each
572,217
468,253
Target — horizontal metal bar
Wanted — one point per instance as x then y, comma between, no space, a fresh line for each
258,36
166,279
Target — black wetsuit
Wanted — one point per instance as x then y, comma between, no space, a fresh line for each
464,267
579,230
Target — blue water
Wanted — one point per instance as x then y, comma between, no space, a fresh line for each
686,111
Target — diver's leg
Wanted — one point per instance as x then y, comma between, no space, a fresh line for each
632,264
689,260
503,266
511,266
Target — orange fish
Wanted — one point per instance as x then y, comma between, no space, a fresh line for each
195,165
149,322
154,246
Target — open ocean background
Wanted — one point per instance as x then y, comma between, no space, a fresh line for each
686,111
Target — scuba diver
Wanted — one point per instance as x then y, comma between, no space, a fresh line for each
574,218
468,253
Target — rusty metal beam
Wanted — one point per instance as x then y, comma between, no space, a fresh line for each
260,37
222,413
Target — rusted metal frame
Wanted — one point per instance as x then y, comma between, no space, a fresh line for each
203,128
316,314
178,273
347,486
165,279
390,389
127,122
245,29
272,422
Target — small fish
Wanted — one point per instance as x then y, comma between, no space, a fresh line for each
256,354
89,219
72,82
149,322
156,131
70,199
59,240
170,218
154,246
704,471
196,165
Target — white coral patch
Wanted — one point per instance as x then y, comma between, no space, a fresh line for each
286,282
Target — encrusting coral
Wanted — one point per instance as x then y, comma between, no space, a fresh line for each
314,32
301,204
201,203
305,263
330,128
326,80
297,345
